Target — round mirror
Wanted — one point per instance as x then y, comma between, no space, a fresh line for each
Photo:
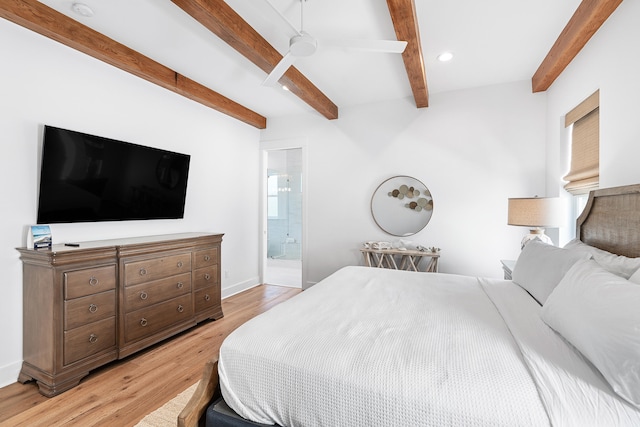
402,206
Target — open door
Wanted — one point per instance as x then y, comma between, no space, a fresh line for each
284,228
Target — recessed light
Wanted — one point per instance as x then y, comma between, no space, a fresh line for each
82,9
284,87
445,56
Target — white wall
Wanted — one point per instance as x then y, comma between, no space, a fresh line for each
473,149
43,82
609,62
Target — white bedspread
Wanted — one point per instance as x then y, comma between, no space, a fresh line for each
375,347
370,347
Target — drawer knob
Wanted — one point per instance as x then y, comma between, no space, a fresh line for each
93,281
143,322
93,338
207,276
207,258
180,264
180,308
143,295
207,297
143,272
93,308
180,285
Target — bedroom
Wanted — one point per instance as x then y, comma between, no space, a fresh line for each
511,139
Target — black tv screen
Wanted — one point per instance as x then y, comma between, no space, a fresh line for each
87,178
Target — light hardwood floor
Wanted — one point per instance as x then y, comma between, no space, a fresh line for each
123,392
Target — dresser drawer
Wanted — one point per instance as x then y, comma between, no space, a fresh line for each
206,257
207,298
89,339
156,268
204,277
81,311
89,281
149,293
148,321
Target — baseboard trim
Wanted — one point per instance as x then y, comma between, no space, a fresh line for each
9,373
240,287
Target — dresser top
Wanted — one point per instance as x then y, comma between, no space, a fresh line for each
122,242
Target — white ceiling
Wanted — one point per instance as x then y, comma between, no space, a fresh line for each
494,41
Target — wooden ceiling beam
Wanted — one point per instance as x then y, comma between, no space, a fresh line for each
219,18
43,20
405,23
584,23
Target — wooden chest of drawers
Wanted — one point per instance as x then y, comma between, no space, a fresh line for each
86,306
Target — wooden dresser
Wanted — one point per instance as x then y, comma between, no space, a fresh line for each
104,300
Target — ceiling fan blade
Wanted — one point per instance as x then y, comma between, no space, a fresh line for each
292,29
381,46
279,70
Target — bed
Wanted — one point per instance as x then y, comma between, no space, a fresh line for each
557,345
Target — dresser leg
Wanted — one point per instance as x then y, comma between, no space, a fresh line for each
24,378
55,389
47,384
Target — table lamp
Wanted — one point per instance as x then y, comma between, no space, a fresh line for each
537,213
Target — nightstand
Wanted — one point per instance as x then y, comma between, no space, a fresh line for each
507,266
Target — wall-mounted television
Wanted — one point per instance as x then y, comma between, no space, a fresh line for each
86,178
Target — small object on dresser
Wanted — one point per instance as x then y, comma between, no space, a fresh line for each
39,236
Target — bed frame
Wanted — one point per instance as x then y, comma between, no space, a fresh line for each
610,221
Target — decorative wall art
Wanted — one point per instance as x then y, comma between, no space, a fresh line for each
402,206
418,204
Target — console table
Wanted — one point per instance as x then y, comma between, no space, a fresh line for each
103,300
401,259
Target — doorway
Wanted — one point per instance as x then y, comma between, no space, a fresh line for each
283,264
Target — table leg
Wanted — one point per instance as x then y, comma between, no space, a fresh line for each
391,262
432,267
412,263
367,258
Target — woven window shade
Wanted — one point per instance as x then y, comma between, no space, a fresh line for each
585,146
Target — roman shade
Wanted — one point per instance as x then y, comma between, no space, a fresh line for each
584,174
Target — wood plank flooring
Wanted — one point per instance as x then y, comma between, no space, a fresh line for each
123,392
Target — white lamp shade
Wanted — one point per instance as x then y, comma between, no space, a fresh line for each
540,212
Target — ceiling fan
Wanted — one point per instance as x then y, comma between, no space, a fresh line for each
303,44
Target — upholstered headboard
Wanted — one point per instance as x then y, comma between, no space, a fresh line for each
611,220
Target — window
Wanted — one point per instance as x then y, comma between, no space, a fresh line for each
584,174
272,196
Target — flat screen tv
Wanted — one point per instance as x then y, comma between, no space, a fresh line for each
86,178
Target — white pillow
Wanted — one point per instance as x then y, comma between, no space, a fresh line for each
616,264
540,267
599,314
635,277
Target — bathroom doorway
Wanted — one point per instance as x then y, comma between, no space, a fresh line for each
283,264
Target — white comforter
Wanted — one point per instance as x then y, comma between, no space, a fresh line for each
375,347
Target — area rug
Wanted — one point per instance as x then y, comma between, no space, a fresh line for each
167,414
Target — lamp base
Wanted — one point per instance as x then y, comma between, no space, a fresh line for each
535,234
